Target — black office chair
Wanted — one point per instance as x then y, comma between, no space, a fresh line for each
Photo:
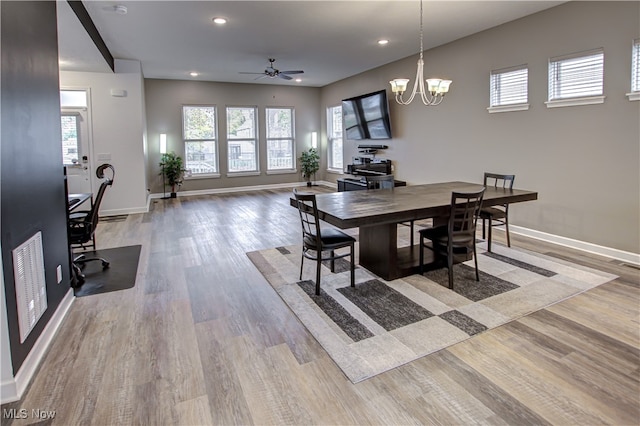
386,182
82,225
497,215
458,237
317,240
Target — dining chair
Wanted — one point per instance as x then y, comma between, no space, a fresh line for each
387,182
316,240
497,215
83,224
458,237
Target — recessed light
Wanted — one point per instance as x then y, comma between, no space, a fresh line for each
383,42
220,20
120,9
298,80
194,74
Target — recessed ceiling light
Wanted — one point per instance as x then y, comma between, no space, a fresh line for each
220,20
383,42
194,74
120,9
298,80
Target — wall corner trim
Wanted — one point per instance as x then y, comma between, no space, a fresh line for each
12,390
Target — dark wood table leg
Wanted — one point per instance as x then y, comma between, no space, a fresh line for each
379,249
379,252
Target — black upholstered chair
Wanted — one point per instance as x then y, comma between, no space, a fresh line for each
82,225
458,237
496,215
386,182
316,241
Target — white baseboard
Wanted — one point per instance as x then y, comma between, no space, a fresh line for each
118,212
624,256
12,390
244,189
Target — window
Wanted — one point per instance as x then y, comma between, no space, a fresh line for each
334,135
73,98
509,89
73,105
242,140
280,139
70,138
200,143
635,72
576,79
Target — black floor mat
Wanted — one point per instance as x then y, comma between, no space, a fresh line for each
120,275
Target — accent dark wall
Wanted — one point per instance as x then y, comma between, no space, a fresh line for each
32,177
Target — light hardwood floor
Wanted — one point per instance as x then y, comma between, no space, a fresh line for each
203,339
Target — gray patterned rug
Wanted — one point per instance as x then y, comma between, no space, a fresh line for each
380,325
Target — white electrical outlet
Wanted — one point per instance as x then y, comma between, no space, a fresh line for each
59,273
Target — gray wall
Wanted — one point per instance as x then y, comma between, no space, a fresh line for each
164,100
583,160
33,191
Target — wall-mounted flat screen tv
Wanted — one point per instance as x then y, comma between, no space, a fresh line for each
367,116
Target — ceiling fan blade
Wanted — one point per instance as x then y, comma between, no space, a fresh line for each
261,77
284,76
255,73
292,72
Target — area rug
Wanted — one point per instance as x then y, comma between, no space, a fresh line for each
120,275
380,325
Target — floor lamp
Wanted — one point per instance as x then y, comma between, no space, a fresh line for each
163,150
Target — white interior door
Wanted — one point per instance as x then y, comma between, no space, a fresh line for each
76,149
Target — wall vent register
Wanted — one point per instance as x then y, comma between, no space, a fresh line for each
31,289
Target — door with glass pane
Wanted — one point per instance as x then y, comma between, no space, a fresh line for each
75,149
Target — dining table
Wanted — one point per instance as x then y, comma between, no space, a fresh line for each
376,214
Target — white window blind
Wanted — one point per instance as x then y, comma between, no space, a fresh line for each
509,86
635,66
576,76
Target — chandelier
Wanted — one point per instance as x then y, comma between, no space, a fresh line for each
436,87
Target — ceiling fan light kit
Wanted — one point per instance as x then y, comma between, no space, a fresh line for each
436,87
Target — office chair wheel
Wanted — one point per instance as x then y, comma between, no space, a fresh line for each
105,264
78,277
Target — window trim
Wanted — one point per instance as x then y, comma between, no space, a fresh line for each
189,173
256,139
519,106
294,163
330,140
576,100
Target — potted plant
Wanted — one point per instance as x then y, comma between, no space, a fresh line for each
309,164
172,171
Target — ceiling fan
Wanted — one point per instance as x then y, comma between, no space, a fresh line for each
272,72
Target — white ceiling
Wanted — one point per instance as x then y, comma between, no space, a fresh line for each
329,40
